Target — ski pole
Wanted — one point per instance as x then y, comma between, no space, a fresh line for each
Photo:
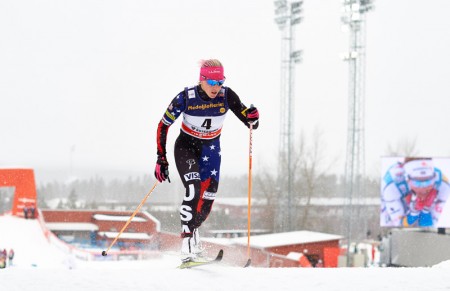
104,253
250,156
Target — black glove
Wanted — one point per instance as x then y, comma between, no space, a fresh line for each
162,169
252,114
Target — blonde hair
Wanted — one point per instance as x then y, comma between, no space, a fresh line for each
210,63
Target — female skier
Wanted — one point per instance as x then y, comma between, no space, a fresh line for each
197,148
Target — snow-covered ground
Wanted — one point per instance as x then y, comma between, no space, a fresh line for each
40,266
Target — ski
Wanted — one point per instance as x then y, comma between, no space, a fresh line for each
192,264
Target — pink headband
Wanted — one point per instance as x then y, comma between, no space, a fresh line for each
211,73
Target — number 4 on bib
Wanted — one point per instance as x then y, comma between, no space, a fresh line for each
207,123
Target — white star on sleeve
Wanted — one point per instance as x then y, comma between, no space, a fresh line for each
212,147
213,172
205,158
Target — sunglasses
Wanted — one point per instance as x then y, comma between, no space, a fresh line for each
421,184
214,82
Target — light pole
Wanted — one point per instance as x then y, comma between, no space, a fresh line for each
287,16
354,18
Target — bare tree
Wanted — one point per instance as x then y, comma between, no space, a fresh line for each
266,185
309,165
312,168
404,148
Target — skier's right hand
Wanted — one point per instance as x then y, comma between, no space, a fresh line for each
162,169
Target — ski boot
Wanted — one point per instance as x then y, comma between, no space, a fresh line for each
191,248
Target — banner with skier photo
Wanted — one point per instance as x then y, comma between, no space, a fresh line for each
414,192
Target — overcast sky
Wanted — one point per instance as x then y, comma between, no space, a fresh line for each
85,83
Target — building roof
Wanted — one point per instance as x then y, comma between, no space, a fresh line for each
287,238
337,201
237,231
294,256
238,201
117,218
74,226
125,235
316,201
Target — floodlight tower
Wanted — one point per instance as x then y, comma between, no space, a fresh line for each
354,17
287,16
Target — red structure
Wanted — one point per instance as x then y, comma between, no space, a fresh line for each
25,192
107,224
331,255
308,248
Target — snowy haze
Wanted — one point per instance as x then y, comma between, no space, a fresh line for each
83,84
41,266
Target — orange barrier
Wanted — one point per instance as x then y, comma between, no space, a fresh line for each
25,192
304,262
330,257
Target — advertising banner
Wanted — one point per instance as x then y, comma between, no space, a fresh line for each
414,192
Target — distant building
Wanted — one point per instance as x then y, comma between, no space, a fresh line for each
278,248
96,227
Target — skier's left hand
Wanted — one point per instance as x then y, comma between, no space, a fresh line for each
252,114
